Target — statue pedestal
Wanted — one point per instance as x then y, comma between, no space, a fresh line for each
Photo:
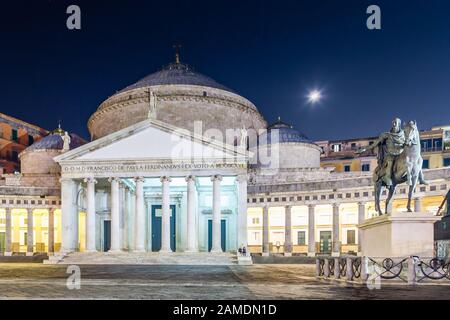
400,234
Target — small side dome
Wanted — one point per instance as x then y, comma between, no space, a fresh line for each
54,141
288,148
286,133
38,158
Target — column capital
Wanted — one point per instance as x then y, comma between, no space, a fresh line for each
288,206
90,180
113,179
311,205
139,179
216,177
29,210
165,179
336,204
362,203
190,178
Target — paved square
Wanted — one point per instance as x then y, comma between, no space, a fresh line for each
37,281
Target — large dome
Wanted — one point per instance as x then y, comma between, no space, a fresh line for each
179,96
176,73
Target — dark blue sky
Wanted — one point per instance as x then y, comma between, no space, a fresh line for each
271,52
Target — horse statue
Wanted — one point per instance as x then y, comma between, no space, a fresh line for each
406,166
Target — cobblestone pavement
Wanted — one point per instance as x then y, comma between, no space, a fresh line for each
37,281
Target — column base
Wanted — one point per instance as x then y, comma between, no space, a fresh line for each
265,254
91,251
335,254
216,251
115,251
138,251
165,251
30,254
8,254
288,254
311,254
191,251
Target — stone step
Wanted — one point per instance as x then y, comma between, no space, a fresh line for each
201,258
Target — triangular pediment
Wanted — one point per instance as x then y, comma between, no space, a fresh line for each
152,140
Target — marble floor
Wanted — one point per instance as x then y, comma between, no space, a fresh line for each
38,281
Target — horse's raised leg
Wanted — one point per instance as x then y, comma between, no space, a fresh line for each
389,198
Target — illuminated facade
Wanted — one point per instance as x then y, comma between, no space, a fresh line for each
15,136
127,190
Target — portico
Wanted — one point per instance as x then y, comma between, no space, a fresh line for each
138,198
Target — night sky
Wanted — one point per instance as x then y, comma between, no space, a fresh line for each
271,52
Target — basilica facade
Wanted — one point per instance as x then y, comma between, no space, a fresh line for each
180,163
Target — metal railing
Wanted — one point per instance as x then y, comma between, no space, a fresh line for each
410,270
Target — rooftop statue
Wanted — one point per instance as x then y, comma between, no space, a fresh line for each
399,161
66,141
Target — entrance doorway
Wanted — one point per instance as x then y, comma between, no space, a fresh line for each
157,228
223,235
325,241
106,235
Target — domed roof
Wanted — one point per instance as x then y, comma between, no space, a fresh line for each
176,73
54,141
286,133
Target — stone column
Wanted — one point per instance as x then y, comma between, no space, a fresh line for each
336,245
139,234
122,216
165,221
287,231
8,240
217,213
191,229
115,215
69,216
311,231
127,219
361,218
417,204
242,211
90,215
51,230
30,228
265,237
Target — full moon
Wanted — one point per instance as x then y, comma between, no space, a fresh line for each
314,96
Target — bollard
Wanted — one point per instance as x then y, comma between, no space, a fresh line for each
349,272
318,267
411,270
364,269
337,268
326,268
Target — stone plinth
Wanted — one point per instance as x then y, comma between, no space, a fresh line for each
399,234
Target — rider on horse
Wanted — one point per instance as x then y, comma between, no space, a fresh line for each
391,145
